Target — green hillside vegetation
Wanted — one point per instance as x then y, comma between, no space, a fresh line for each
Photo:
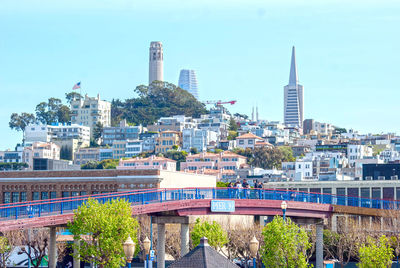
160,99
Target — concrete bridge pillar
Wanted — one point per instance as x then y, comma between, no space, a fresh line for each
184,221
52,248
160,245
319,247
77,262
184,239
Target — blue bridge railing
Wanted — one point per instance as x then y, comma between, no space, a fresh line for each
150,196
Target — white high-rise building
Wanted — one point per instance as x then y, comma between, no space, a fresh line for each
156,59
293,98
188,82
90,110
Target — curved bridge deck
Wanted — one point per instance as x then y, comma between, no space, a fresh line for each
194,201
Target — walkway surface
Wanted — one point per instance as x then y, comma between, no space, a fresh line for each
194,201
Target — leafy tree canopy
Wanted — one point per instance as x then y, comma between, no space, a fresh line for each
216,235
104,164
154,101
376,254
97,131
20,121
267,158
71,96
102,229
233,125
178,156
52,111
285,244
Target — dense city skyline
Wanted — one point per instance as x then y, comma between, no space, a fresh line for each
347,55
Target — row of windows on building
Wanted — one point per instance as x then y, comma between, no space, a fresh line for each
241,142
210,167
144,163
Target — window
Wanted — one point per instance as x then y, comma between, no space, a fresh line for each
45,195
53,195
83,193
74,193
35,196
241,142
6,197
65,194
15,197
250,142
23,196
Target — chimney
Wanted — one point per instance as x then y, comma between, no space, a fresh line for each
203,241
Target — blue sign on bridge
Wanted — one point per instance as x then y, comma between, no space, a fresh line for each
222,206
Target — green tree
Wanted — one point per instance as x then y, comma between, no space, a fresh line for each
101,230
19,122
376,254
241,115
233,125
97,131
5,250
178,156
287,154
154,101
193,150
285,244
52,111
71,96
92,165
109,163
232,135
216,235
222,184
339,130
13,166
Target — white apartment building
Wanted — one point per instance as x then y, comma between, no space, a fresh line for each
133,148
197,138
389,155
248,140
355,151
152,162
304,170
89,111
48,133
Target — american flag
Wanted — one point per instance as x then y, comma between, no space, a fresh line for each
77,85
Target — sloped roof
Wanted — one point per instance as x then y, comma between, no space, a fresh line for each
203,256
248,136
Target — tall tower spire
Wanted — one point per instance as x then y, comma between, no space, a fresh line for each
293,77
252,114
257,113
293,97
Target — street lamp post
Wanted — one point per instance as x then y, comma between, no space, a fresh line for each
129,250
146,246
253,250
284,207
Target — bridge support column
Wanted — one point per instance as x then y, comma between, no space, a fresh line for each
184,239
334,223
77,262
319,247
160,245
52,248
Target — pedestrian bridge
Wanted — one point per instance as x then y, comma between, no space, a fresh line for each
196,201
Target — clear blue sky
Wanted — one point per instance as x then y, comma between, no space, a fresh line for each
347,54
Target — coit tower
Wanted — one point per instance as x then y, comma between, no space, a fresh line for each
156,58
